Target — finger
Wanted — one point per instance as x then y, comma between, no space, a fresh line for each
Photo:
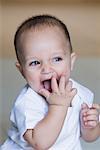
92,112
84,106
62,84
90,123
84,109
90,118
54,85
84,112
69,86
73,92
44,93
97,106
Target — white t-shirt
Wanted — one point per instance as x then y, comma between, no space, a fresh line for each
30,108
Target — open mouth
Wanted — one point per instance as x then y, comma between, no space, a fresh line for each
47,85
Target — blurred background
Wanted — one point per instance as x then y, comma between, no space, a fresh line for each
82,18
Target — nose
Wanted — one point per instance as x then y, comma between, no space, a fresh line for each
46,69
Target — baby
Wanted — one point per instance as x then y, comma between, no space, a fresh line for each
52,111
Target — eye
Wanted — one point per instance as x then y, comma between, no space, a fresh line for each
34,63
57,59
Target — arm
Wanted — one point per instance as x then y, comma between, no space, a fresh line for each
90,125
47,130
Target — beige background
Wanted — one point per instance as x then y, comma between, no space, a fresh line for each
83,20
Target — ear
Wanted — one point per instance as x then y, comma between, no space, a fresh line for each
73,59
19,67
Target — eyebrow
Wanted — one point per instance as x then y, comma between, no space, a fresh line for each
30,58
60,52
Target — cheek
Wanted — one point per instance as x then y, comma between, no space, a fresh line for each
31,77
65,71
34,82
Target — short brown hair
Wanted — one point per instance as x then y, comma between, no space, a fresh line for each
36,21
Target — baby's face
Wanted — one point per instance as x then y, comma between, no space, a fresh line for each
46,54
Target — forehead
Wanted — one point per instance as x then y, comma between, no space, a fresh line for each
43,41
44,34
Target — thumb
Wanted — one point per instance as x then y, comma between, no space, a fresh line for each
84,106
84,109
96,106
44,93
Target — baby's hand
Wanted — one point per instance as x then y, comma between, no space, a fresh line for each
62,94
89,116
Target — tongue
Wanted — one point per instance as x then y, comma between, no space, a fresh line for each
47,85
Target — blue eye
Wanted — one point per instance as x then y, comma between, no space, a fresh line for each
57,59
34,63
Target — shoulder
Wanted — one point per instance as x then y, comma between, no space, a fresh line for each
28,96
28,101
84,93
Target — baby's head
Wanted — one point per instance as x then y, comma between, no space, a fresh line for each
43,49
38,23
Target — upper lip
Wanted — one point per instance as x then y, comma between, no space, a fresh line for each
46,78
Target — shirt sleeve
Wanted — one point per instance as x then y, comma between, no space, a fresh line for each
27,114
86,95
